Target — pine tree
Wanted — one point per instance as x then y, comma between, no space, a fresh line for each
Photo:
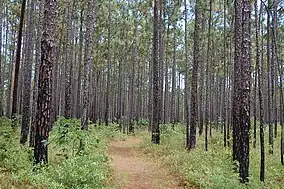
48,47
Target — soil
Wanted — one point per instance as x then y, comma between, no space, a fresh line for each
132,170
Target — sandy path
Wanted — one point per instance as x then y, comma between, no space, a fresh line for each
133,171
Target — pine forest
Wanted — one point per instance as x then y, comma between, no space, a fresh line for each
141,94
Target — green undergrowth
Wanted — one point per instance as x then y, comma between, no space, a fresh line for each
77,159
214,168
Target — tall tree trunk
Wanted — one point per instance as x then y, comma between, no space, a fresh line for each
202,73
108,67
242,74
173,97
56,82
45,81
6,55
224,96
69,61
178,99
88,60
207,77
161,59
259,78
186,77
150,96
17,63
132,76
196,61
269,76
2,70
237,78
254,107
27,76
166,98
11,68
156,95
36,74
274,61
78,103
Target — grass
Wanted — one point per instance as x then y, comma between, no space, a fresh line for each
73,167
214,168
69,165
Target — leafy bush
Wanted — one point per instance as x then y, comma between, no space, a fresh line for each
77,158
214,168
13,156
111,132
68,137
84,171
143,122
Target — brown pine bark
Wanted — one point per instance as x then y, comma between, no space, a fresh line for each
166,95
132,77
269,79
207,77
69,61
196,61
36,74
186,94
18,60
78,98
237,78
173,89
87,61
161,59
107,96
27,76
274,82
224,94
48,48
9,90
2,70
155,128
6,54
259,78
241,116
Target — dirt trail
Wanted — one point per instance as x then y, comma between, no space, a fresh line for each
133,171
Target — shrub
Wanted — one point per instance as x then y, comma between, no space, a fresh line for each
77,158
214,168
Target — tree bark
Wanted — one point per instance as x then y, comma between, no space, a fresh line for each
237,78
224,80
78,103
173,90
269,79
106,116
186,76
88,61
242,97
274,82
259,78
196,61
207,77
18,60
69,61
156,95
2,70
48,48
27,76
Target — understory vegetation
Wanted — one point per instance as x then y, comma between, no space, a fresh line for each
214,168
77,158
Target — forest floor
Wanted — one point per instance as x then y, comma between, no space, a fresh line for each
132,169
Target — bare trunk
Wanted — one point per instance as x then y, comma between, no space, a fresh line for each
48,48
27,76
